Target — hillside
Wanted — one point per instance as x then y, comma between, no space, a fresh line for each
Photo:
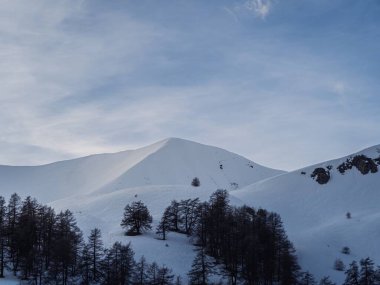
105,212
97,188
314,214
313,202
168,162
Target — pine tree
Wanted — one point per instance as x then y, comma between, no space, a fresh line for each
307,279
122,263
106,267
66,246
153,273
174,216
3,211
289,267
48,219
367,272
201,268
217,225
164,225
326,281
178,280
352,274
42,247
189,214
26,236
85,263
136,218
128,262
13,208
377,275
95,247
141,274
165,276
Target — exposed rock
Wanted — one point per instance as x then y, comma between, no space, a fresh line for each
345,166
362,163
321,175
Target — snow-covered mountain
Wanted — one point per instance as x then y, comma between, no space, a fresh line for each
97,188
169,162
313,202
315,210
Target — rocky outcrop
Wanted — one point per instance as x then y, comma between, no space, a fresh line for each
362,163
321,175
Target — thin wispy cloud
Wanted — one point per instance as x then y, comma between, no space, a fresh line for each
94,77
260,7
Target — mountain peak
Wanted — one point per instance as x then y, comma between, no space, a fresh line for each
175,140
172,161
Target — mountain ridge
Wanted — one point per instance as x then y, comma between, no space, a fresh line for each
105,172
315,215
97,188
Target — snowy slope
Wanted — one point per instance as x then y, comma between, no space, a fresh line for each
65,178
168,162
96,189
315,215
104,210
178,161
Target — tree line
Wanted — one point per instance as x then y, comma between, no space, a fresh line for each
242,244
246,245
363,273
357,273
42,247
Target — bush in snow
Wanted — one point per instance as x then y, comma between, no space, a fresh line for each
346,250
339,265
234,185
195,182
348,215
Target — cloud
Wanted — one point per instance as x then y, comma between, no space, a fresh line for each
51,71
261,8
90,77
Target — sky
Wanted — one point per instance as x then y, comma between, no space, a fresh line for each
285,83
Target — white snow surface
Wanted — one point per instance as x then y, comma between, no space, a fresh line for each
105,211
97,188
169,162
314,215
